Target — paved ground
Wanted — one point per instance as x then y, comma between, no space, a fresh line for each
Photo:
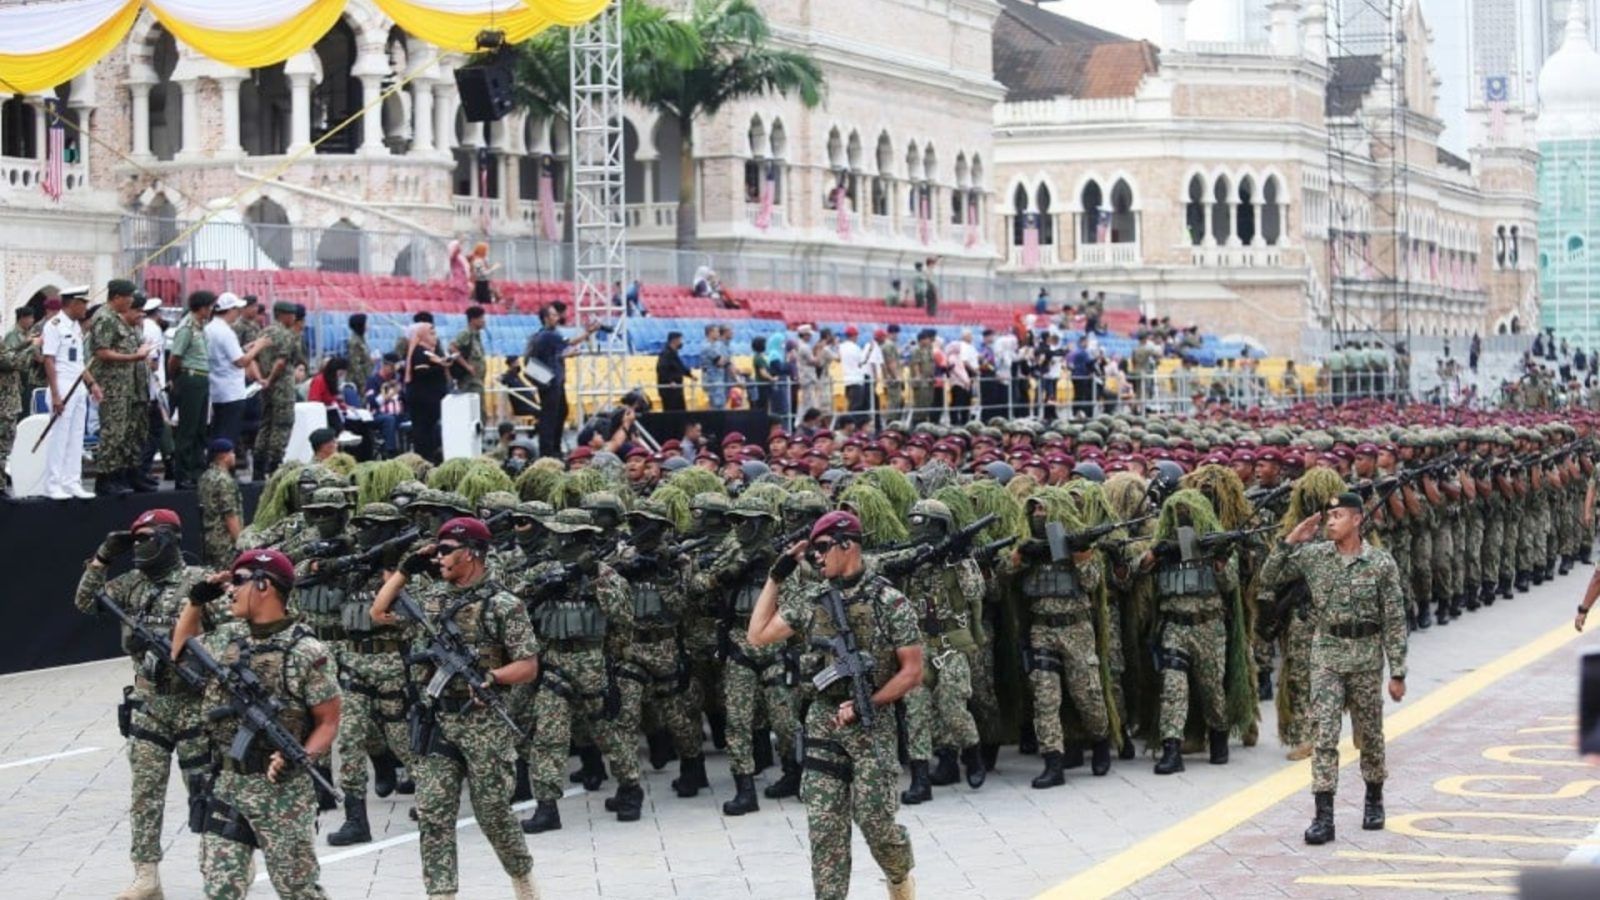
1229,831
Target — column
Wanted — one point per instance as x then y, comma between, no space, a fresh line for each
41,126
444,123
648,167
1208,239
372,123
299,111
1258,240
190,146
422,117
1233,225
230,116
139,92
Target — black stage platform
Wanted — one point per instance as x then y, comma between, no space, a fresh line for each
43,545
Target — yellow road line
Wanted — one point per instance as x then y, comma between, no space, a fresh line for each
1159,850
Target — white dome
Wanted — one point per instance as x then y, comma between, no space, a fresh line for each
1570,80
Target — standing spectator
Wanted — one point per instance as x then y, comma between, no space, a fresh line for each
62,349
826,353
991,393
1041,303
221,508
386,401
284,357
1048,365
468,360
1005,360
357,351
460,274
228,363
894,373
190,365
670,373
761,385
919,286
16,355
780,367
1022,364
157,436
1580,363
482,290
896,295
426,387
635,300
247,329
961,364
1082,364
1146,359
120,368
806,374
851,373
549,350
872,375
714,356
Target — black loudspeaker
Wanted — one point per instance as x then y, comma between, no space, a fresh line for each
485,89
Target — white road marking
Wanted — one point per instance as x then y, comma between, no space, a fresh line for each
35,760
410,837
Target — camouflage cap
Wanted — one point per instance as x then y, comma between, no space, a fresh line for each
933,509
497,501
537,509
753,507
410,490
603,501
327,498
654,510
378,511
709,501
449,500
570,521
805,502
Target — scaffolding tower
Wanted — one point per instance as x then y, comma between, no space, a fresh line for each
1373,296
599,240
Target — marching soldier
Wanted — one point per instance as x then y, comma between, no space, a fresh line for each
160,714
851,770
263,801
1360,623
467,742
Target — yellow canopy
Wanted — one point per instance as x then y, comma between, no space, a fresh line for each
46,44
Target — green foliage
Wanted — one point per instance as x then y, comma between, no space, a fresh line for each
376,480
276,495
677,503
990,496
482,478
879,524
419,467
695,480
538,481
959,503
770,494
894,485
447,476
1200,514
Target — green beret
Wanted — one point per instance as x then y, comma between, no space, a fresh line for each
283,308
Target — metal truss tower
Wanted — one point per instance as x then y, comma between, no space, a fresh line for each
599,242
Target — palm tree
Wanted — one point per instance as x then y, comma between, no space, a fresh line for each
735,61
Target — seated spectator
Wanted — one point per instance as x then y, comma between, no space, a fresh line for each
702,281
344,410
385,400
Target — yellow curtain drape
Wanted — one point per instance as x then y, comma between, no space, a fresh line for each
24,74
257,47
458,31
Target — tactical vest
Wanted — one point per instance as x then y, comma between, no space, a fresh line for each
1191,578
571,619
470,611
952,620
269,660
650,607
321,599
864,625
1049,580
744,599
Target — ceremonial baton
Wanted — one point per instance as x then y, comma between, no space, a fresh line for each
57,414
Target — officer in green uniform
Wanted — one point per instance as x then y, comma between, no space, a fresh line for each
120,360
283,352
470,361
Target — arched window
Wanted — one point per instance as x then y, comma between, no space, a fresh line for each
1514,246
1047,227
166,99
669,159
1194,212
975,201
396,110
20,132
1575,249
1093,230
1123,220
264,101
881,184
1271,212
1500,247
158,229
757,136
1221,223
1247,210
338,95
270,224
1019,212
958,206
632,168
340,248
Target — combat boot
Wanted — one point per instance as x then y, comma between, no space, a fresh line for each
1100,760
1411,624
761,749
383,773
991,756
1505,588
1586,554
1457,602
1171,757
973,760
1264,684
1372,813
661,752
1550,569
945,772
1486,593
592,774
1027,741
788,785
1441,612
920,790
744,797
1537,575
523,791
146,883
1051,776
719,728
1523,578
1072,758
1321,830
1424,617
1219,747
1469,600
142,483
1566,564
111,484
325,798
546,817
903,890
355,829
691,776
1127,752
523,888
629,805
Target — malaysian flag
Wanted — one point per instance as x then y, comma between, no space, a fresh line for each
1496,94
547,198
841,209
1030,241
924,224
54,181
769,190
1102,226
485,160
972,219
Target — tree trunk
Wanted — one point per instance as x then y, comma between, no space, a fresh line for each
688,181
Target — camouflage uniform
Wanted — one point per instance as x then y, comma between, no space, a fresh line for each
1360,621
1194,641
219,498
358,359
469,346
469,742
924,392
946,599
16,356
1063,652
277,413
851,772
126,388
165,714
700,627
298,670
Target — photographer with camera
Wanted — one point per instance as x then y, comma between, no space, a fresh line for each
615,428
549,350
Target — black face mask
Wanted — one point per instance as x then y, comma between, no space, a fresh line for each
329,523
751,531
371,534
157,551
1037,526
647,534
571,547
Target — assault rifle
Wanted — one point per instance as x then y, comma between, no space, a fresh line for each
158,648
368,560
256,710
988,553
1261,498
848,659
452,658
1290,599
1217,543
641,564
1062,542
949,547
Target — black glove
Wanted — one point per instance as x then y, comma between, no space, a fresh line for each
1034,550
116,544
204,592
588,564
784,567
419,563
